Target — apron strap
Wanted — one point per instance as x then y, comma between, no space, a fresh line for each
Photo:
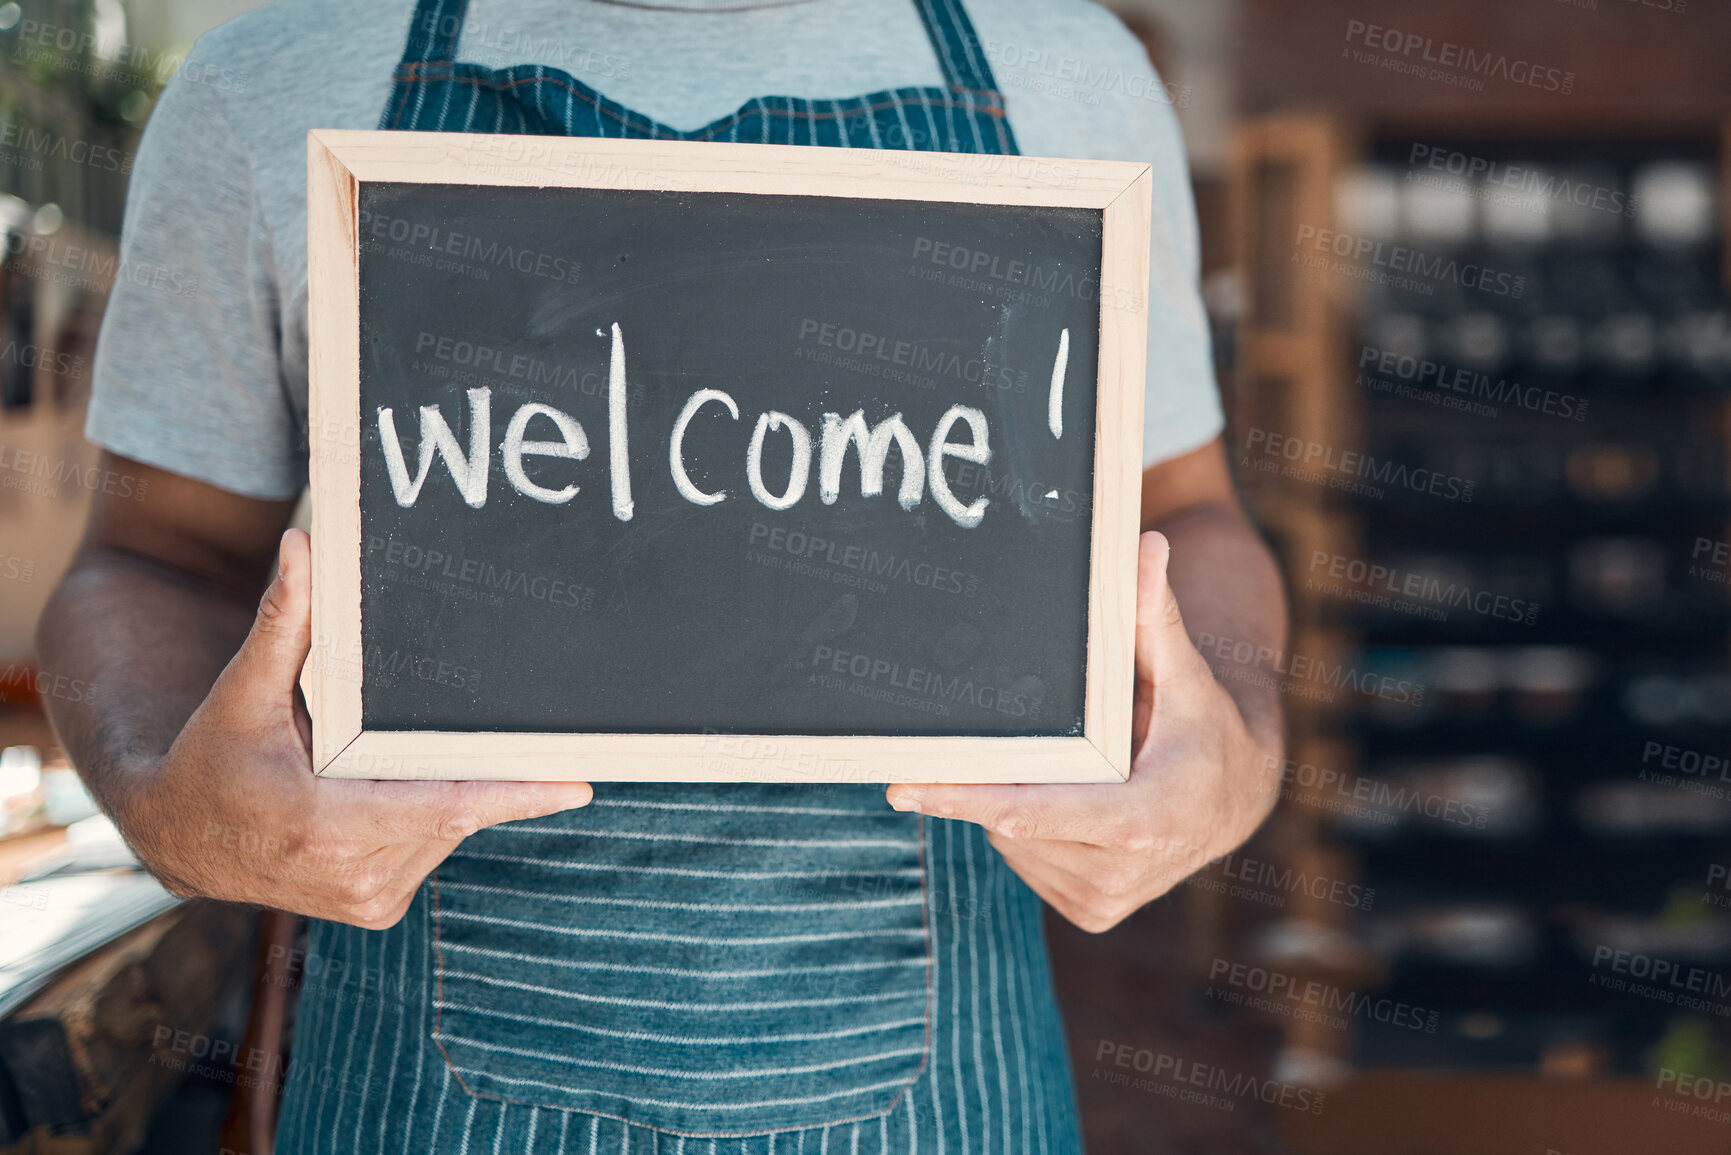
433,35
958,46
438,24
429,73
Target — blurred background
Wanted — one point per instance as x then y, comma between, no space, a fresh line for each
1466,274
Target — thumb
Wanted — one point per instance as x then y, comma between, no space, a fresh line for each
276,648
1166,659
415,811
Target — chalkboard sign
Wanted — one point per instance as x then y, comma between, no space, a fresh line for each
645,460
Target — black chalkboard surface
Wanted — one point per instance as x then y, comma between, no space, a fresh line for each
683,462
854,617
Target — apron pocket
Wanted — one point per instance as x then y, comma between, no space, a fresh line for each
702,960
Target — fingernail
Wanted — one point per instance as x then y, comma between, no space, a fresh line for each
580,796
907,800
569,799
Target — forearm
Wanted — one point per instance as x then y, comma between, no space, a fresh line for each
1229,591
151,641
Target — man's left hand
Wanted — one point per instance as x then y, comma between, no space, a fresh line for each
1200,783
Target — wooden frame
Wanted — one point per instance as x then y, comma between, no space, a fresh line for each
339,161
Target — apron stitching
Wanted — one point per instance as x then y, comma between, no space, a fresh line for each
654,1130
931,987
811,111
439,992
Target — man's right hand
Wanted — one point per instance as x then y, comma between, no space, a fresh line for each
234,811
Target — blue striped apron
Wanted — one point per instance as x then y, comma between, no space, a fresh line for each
738,968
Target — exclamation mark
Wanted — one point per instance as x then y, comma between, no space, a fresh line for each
1055,400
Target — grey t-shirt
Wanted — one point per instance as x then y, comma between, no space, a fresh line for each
202,364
